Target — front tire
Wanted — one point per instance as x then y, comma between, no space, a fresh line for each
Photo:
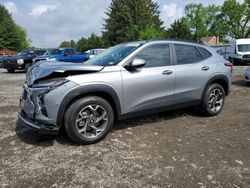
11,70
213,101
88,120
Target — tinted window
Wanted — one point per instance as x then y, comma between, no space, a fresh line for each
187,54
206,54
156,56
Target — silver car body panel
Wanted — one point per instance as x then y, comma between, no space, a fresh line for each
144,89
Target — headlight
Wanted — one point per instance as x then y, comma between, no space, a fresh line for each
51,59
51,83
239,55
20,61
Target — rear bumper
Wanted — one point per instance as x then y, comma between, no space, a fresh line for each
27,122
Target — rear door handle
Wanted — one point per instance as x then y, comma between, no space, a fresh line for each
167,72
205,68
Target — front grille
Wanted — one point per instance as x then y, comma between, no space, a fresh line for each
246,56
9,62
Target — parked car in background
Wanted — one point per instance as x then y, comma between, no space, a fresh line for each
94,52
63,55
126,80
247,75
241,51
21,61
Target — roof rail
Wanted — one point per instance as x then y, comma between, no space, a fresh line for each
176,40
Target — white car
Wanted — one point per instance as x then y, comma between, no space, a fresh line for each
94,52
247,75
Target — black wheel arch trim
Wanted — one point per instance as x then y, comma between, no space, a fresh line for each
214,79
86,90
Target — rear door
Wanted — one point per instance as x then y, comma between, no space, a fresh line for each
193,67
151,86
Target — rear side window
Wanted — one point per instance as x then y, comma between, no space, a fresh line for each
206,54
187,54
156,55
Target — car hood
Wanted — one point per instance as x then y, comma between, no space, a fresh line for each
46,70
15,57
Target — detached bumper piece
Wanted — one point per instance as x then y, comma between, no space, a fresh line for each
27,122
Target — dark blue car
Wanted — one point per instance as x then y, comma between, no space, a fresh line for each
63,55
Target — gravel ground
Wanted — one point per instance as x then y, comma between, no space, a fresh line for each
170,149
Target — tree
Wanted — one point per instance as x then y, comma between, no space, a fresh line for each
232,18
68,44
180,30
237,18
12,36
128,19
150,33
82,45
196,16
92,42
65,44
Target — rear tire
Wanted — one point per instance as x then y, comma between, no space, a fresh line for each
88,120
213,101
11,70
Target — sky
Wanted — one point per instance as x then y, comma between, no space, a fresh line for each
49,22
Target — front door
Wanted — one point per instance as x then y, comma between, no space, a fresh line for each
151,86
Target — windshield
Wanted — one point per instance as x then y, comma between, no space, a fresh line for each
53,52
25,53
244,48
113,56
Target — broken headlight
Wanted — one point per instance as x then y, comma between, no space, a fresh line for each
51,83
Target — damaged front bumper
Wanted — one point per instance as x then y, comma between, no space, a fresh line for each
40,106
27,122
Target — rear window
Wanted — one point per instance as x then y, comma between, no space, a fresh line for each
187,54
206,54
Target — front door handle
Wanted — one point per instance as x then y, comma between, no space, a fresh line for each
167,72
205,68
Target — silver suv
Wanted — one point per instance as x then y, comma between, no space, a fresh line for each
130,79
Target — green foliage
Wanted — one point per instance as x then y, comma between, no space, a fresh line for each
180,30
197,16
237,18
232,18
12,36
129,20
65,44
92,42
150,33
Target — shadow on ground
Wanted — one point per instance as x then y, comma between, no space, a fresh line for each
16,72
33,137
241,83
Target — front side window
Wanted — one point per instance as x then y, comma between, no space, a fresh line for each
156,55
187,54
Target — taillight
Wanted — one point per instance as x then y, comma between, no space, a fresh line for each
228,64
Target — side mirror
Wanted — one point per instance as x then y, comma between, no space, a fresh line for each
135,64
